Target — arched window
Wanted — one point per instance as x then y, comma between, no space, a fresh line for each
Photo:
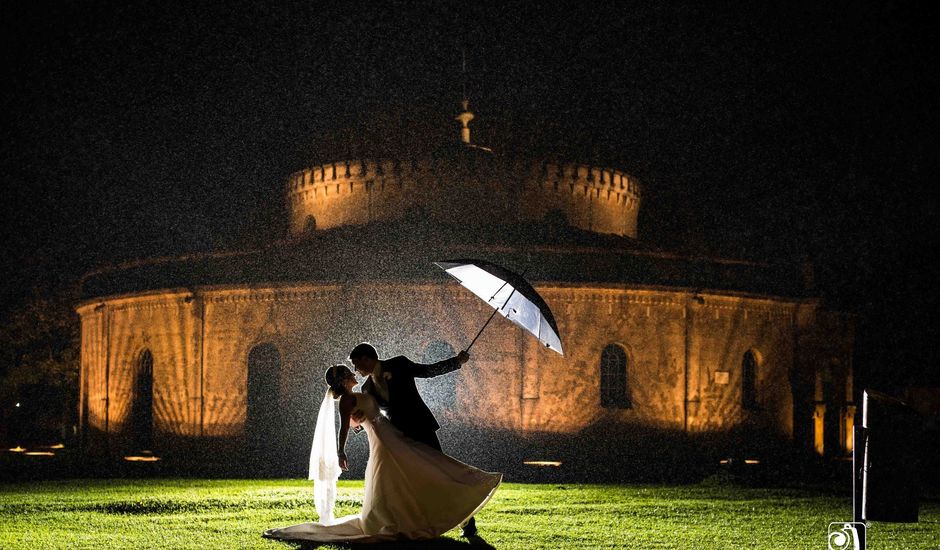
749,381
615,388
439,392
142,404
310,225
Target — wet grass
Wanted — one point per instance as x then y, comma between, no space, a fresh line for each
187,513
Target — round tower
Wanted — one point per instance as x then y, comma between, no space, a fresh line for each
465,180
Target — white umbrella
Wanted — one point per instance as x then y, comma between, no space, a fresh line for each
509,294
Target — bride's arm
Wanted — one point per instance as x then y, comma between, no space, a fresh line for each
346,404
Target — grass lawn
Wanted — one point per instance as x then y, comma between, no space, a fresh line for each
202,513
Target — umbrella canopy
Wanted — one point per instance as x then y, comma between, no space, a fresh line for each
511,296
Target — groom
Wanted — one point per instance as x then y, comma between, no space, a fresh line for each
392,383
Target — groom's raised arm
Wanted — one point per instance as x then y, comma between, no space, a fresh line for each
420,370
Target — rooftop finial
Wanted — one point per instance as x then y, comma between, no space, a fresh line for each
465,117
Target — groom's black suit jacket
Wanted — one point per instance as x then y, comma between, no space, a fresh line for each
405,408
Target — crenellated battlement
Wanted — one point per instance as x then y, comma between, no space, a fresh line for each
358,191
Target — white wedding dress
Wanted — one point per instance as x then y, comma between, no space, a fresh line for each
412,491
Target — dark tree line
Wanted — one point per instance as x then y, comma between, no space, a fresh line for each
39,365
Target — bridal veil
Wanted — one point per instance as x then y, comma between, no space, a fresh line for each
324,464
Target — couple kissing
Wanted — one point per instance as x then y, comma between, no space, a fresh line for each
413,490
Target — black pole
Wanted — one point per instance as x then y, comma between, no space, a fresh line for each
858,469
482,329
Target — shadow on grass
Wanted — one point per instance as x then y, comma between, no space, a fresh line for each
472,542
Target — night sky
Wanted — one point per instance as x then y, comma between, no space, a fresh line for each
796,133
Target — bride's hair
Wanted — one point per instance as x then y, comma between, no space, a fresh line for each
334,379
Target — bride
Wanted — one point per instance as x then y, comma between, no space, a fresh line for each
412,491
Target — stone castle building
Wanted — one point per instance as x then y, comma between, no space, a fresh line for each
200,356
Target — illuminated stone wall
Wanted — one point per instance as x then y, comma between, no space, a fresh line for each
116,335
361,191
723,330
684,355
824,378
561,394
92,372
